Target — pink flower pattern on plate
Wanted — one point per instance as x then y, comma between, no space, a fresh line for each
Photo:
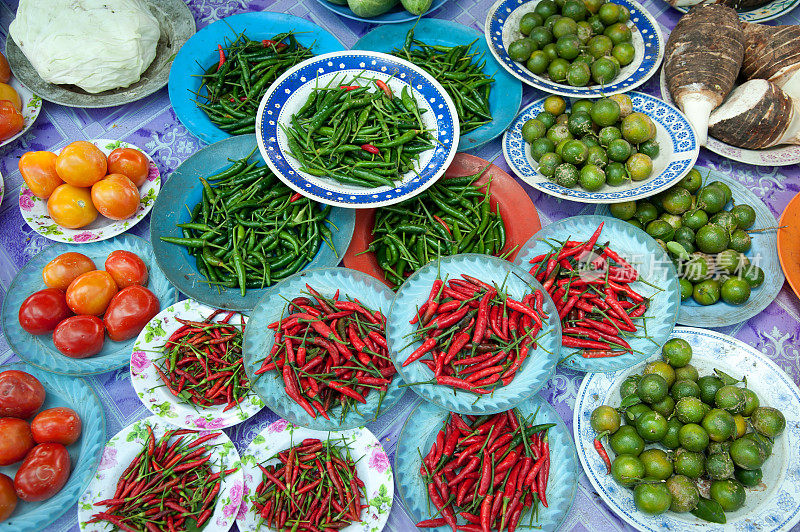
108,460
152,173
236,499
86,236
278,426
26,200
139,362
204,424
378,461
243,508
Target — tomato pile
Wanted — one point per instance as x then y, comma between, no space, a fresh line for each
81,183
40,444
77,294
11,119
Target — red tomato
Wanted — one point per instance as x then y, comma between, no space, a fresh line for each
8,499
56,425
126,268
15,440
91,292
11,120
129,311
38,169
5,70
21,394
79,336
131,163
62,270
81,164
116,197
43,310
43,473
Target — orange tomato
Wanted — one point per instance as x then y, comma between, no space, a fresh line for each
7,92
62,270
131,163
81,164
11,120
116,197
38,169
71,206
5,70
91,292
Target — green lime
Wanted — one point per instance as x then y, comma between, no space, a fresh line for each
740,241
546,8
712,238
748,478
568,47
696,268
665,407
627,470
533,129
548,119
599,45
625,104
730,398
557,70
725,220
765,442
597,156
558,133
652,499
724,188
706,292
596,24
676,352
659,367
605,419
626,441
592,177
632,413
585,32
718,447
579,123
745,215
538,63
677,200
768,421
684,234
751,402
711,199
692,181
645,211
747,454
689,409
741,425
555,105
575,152
728,493
560,147
670,439
690,464
651,426
719,424
551,52
605,112
671,219
639,166
609,13
550,21
582,106
566,175
660,229
521,49
754,276
693,438
608,134
529,21
652,388
565,26
618,33
616,175
735,291
604,70
694,219
686,289
575,9
686,373
541,146
685,388
619,150
548,164
728,261
630,385
657,464
624,14
709,384
593,6
649,147
637,128
685,495
624,210
623,52
719,466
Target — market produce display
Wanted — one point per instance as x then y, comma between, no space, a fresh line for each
11,119
369,9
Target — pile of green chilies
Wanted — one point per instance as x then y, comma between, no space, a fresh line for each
245,70
453,216
314,486
169,486
459,72
201,362
356,135
250,230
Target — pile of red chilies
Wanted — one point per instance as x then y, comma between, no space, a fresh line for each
314,487
590,286
330,351
476,335
167,487
487,471
202,364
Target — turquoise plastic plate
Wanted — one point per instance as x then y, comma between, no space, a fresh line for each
393,16
506,94
200,51
653,264
419,434
39,350
258,341
84,454
763,254
537,368
183,191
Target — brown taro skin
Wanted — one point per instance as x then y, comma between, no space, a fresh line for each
704,53
760,126
770,52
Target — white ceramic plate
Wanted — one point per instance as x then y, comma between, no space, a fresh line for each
34,210
150,388
31,106
372,465
772,507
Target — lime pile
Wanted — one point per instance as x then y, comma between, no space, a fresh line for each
706,240
596,143
589,41
713,428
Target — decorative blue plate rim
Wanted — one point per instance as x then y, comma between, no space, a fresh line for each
664,306
431,417
783,508
424,88
93,420
722,314
258,341
182,187
506,95
394,16
46,357
203,44
683,155
770,11
649,31
538,367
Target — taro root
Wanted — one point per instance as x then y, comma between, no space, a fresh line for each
741,5
773,53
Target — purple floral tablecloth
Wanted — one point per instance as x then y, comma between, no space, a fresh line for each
152,125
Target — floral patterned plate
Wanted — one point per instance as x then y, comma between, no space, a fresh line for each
31,105
123,448
372,465
34,210
150,388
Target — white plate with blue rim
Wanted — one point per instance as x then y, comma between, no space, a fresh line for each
763,253
774,506
769,11
676,139
292,90
502,28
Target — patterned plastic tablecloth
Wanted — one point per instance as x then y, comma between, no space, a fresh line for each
152,125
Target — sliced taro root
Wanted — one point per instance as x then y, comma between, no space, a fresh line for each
773,53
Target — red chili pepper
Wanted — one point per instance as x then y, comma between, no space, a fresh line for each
349,87
221,57
598,446
296,196
369,148
384,87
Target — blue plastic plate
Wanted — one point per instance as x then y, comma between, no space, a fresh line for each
773,506
258,341
537,368
650,260
502,28
419,434
84,454
292,90
676,139
39,350
393,16
182,192
763,253
200,51
506,94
